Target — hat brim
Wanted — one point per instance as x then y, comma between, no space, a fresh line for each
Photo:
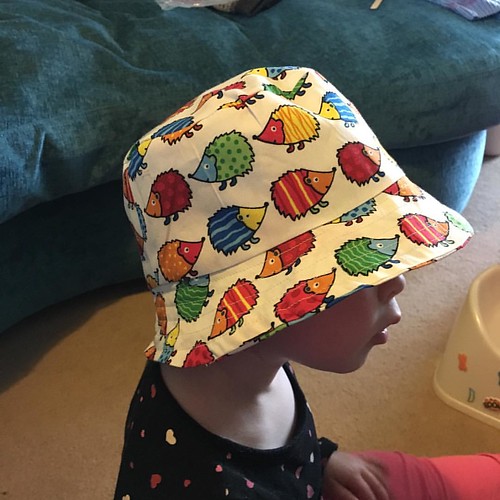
400,229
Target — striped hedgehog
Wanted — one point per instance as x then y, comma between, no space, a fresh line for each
423,230
170,195
141,237
220,92
366,255
136,157
405,188
227,157
191,296
161,313
334,108
237,301
304,298
289,125
287,255
174,131
460,223
234,227
360,163
176,258
298,191
126,188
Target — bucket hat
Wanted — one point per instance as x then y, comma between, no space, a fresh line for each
262,202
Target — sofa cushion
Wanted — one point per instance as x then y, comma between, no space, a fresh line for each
82,81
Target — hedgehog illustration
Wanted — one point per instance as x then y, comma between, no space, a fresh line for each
459,222
360,163
304,298
169,344
127,190
170,195
141,237
242,101
236,302
150,352
220,92
176,258
423,230
191,296
140,243
405,188
290,125
227,157
300,191
366,255
136,156
174,131
269,333
161,313
334,108
356,214
142,221
287,255
275,72
152,280
199,355
234,227
297,90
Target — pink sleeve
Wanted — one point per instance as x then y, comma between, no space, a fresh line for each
466,477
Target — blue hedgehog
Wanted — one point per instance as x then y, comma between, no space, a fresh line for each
174,131
356,214
233,227
334,108
136,156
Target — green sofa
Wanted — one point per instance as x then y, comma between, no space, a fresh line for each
82,80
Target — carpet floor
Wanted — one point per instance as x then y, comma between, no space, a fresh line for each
63,402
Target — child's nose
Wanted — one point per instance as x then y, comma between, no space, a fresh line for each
391,288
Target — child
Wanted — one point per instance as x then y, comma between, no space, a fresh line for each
272,227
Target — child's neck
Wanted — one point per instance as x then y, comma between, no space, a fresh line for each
244,398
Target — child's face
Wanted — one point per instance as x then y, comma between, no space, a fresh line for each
340,338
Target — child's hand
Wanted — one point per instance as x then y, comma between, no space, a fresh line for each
351,477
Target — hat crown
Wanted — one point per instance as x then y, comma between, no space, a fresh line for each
247,165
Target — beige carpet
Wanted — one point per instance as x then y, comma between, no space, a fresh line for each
63,403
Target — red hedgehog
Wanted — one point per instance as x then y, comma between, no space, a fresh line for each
127,191
405,188
200,354
287,255
304,298
298,191
176,258
237,301
360,163
423,230
170,195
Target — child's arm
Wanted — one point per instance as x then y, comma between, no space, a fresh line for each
399,476
348,476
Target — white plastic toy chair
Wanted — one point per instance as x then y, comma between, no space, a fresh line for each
468,375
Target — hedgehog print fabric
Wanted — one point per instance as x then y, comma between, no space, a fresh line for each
263,201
